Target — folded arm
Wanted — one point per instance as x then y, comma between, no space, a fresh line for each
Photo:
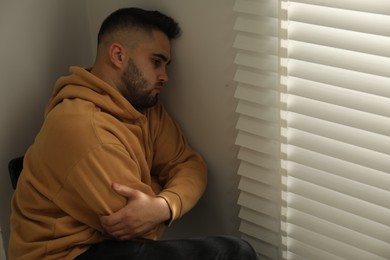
141,214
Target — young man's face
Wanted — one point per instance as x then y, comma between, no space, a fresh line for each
145,74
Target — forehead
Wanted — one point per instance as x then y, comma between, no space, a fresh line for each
155,43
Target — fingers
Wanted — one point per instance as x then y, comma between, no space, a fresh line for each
115,226
111,220
125,190
127,233
116,218
136,217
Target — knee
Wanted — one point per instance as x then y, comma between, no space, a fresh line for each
235,248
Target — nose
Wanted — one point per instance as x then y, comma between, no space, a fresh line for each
163,76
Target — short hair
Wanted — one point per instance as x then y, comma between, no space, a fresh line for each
137,18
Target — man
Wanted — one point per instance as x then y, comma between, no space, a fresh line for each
109,168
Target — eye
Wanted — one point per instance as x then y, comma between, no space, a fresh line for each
156,62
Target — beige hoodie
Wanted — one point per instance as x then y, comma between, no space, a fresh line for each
91,138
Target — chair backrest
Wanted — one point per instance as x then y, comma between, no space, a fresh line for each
15,167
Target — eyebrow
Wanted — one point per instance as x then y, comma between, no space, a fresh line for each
163,57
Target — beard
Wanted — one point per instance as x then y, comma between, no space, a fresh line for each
138,88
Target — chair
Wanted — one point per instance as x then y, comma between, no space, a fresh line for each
15,167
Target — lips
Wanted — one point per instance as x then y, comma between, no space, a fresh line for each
158,87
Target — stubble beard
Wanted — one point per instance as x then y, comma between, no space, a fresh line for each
137,87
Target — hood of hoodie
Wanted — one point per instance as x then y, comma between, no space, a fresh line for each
84,85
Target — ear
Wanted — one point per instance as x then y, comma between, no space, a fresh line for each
117,55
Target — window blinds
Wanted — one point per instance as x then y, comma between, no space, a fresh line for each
314,132
337,100
257,44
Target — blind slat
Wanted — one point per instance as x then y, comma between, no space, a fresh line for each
343,185
339,233
256,79
260,174
308,252
338,38
266,45
259,219
339,96
261,96
258,189
258,8
338,114
345,59
340,18
343,151
330,245
340,77
372,6
258,127
340,217
270,114
257,143
258,204
261,62
340,201
257,158
340,167
342,133
257,25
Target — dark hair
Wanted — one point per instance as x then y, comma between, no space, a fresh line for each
139,19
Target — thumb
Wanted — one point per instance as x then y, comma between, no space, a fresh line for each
124,190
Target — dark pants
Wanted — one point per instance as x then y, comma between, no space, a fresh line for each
203,248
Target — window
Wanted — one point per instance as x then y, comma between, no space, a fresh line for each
314,128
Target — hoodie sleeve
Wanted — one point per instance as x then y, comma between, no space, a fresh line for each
87,193
83,157
181,171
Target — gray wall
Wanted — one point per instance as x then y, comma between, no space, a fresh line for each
41,38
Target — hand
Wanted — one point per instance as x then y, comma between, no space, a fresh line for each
141,214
